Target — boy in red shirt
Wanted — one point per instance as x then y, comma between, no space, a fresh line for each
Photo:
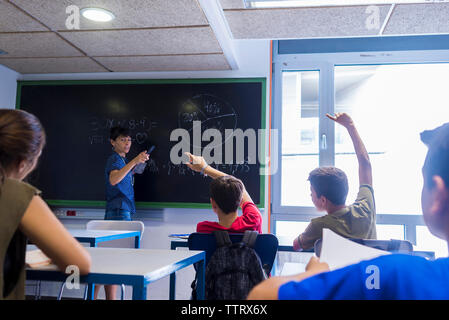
227,193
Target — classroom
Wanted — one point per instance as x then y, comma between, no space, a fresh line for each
262,90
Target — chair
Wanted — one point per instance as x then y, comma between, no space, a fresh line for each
398,246
119,243
266,246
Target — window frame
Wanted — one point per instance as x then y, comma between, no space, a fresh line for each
326,62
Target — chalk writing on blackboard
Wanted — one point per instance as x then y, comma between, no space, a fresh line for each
213,113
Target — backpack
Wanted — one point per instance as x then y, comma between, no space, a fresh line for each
234,269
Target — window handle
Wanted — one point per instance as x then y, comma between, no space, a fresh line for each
323,142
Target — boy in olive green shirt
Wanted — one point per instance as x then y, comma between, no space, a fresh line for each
329,188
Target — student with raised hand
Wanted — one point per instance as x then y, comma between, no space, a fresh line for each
329,189
398,276
23,213
227,193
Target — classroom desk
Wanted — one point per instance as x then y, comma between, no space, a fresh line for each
136,268
94,237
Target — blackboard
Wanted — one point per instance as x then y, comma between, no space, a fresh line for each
77,117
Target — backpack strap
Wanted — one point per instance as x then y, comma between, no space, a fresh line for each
222,238
249,238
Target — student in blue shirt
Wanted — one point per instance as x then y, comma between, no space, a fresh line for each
119,176
119,186
395,276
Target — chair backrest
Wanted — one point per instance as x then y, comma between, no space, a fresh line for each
398,246
266,246
117,225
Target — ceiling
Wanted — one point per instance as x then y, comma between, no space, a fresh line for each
182,35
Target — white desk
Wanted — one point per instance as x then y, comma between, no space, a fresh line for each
93,237
136,268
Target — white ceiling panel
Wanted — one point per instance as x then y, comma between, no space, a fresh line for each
419,19
304,22
232,4
129,13
35,44
145,42
53,65
165,63
13,20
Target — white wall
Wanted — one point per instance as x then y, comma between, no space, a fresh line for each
253,58
8,87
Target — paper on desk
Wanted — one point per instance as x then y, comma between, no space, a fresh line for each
339,252
36,258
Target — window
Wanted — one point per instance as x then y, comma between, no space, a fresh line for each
425,241
390,231
391,95
391,105
287,231
300,153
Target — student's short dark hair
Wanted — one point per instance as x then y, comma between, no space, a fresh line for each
118,131
331,183
227,192
437,159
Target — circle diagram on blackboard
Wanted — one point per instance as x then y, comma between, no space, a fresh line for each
212,111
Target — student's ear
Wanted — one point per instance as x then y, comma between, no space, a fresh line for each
323,202
440,197
214,204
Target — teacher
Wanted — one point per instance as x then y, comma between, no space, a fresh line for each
119,176
119,179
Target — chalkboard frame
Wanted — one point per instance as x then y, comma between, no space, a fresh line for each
151,205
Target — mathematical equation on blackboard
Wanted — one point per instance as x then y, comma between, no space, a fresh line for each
140,129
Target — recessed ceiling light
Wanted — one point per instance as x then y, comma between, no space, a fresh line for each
322,3
97,14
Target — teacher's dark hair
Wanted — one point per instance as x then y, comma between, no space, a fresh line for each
22,137
119,131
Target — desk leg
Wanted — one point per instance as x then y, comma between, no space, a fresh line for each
172,286
90,291
140,292
91,286
200,286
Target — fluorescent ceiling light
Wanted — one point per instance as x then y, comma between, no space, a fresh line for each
97,14
327,3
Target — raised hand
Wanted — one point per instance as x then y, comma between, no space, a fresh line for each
342,118
196,163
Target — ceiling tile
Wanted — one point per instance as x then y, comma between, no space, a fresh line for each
232,4
36,44
145,42
14,20
53,65
165,63
304,22
419,19
129,13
